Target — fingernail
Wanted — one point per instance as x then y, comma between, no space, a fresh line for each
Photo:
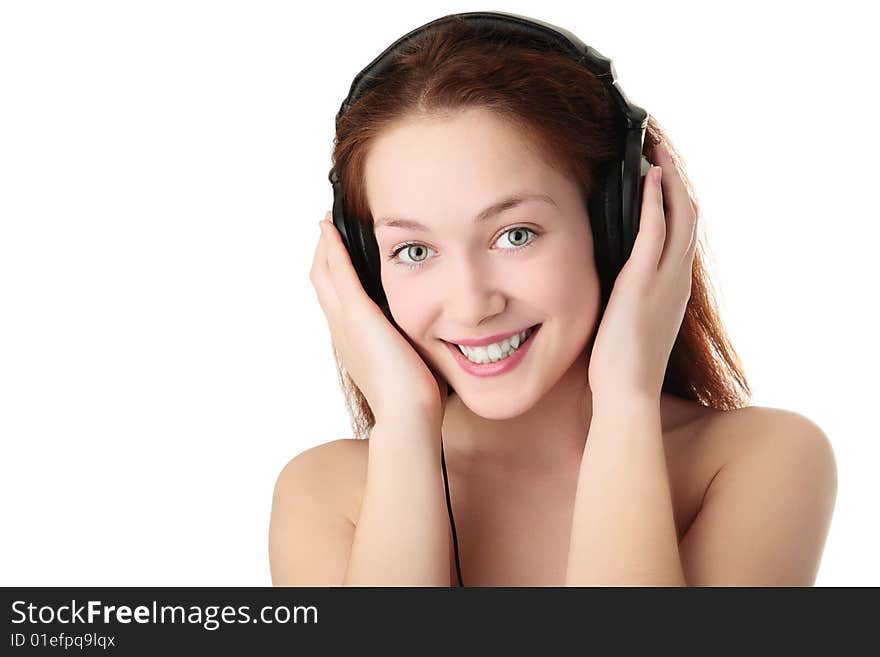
658,173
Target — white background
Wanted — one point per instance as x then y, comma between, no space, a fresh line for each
163,167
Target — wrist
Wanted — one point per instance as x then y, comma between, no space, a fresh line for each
624,402
411,419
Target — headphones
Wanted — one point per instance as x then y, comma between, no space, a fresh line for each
614,209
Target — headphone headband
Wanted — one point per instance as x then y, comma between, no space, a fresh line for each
557,38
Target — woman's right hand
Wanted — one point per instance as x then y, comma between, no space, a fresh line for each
386,368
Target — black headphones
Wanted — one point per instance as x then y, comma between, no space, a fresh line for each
614,210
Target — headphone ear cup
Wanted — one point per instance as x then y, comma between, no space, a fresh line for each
363,250
370,271
369,248
604,209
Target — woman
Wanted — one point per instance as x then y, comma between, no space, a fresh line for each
604,439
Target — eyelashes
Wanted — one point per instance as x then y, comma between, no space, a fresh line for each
398,249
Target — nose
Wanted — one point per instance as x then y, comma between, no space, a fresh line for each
474,293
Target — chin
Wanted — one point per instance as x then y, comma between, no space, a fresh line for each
497,406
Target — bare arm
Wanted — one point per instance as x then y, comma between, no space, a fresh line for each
402,534
623,531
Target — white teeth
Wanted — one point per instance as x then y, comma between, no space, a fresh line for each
496,351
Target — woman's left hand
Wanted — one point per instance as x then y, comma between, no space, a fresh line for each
647,303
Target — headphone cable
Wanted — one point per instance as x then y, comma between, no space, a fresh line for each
449,508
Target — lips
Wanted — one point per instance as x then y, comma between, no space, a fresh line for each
482,342
498,367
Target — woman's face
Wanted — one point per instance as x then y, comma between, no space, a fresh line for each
471,279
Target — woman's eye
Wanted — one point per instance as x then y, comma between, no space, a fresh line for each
521,233
417,251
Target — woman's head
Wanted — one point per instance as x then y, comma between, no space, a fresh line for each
461,277
459,121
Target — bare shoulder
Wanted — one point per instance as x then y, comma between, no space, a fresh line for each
337,468
737,433
310,528
767,508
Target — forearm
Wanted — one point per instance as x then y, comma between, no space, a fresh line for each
623,530
402,534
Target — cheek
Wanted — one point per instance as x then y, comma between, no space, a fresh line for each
409,301
566,281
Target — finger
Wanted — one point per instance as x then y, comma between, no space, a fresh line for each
318,259
688,257
322,280
652,226
681,217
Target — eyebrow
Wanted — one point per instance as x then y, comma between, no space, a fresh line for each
494,209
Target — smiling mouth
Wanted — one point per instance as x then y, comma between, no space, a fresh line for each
485,356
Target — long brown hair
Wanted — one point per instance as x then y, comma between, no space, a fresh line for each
566,112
